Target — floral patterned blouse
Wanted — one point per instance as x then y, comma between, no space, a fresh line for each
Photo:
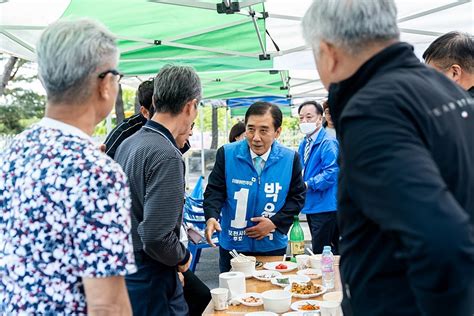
64,215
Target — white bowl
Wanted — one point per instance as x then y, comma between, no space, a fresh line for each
277,301
247,267
333,296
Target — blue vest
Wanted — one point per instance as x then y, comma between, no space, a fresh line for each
249,195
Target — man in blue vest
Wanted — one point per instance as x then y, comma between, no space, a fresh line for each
254,189
318,152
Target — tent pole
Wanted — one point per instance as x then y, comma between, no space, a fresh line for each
254,20
201,127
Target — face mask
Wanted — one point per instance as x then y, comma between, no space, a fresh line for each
308,128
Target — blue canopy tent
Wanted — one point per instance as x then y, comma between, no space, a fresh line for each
238,106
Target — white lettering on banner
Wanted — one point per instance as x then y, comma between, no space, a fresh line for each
243,182
236,235
242,197
269,208
272,189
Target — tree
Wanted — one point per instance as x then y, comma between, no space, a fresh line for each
20,105
7,73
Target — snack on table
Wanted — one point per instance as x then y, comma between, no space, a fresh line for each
281,266
305,288
308,307
252,299
283,280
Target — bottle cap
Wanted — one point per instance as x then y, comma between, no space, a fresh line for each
327,248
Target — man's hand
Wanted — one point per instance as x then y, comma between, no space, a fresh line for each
181,278
107,296
264,227
102,148
185,267
211,226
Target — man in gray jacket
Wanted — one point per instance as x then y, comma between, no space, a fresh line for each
155,169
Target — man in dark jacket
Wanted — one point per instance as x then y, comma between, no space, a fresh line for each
406,186
453,55
255,189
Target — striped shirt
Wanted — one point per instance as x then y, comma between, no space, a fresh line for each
155,169
127,128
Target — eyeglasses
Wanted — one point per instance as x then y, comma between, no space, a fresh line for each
111,71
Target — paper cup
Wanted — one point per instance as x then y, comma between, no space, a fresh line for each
302,261
330,308
219,298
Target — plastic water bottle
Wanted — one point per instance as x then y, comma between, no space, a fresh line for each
327,267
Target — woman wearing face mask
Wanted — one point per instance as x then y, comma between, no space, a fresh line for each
318,152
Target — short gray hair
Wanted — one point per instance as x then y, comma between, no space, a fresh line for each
350,24
69,52
174,87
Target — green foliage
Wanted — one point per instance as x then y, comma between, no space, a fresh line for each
207,114
10,117
20,107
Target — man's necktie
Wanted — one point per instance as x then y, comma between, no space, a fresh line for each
307,149
258,164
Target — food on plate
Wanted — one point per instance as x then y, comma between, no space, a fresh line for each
283,280
306,288
268,276
311,274
252,299
308,307
281,266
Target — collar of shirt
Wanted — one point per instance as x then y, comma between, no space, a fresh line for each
153,125
264,156
314,135
63,127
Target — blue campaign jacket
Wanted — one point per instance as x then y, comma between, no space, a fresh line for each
249,195
320,173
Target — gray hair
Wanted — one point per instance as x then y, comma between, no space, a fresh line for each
174,87
350,24
69,52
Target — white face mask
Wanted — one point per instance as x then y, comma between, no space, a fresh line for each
308,128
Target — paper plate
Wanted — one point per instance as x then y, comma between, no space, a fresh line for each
297,305
241,299
291,278
323,290
265,275
311,273
290,266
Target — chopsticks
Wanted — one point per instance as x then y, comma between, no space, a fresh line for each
238,256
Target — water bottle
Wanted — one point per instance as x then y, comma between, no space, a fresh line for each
327,267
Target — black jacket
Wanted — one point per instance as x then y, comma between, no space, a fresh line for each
215,194
406,188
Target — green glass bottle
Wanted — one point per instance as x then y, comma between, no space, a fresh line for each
296,238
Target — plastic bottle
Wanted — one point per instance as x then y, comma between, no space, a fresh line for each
296,238
327,267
